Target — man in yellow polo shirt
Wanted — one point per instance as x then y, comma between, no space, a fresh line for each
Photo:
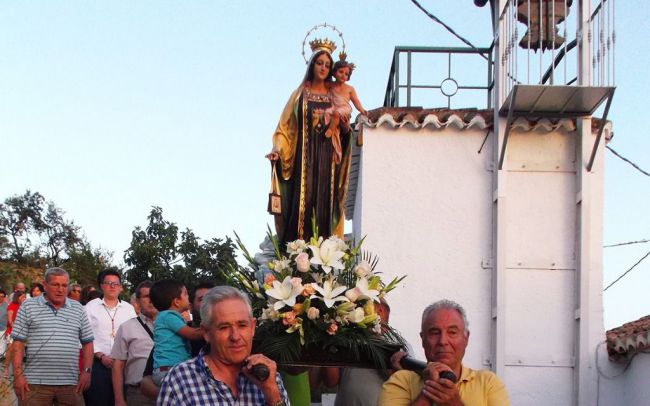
445,334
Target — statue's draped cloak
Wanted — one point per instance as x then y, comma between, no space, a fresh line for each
311,183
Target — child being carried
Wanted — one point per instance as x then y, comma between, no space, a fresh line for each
171,334
341,111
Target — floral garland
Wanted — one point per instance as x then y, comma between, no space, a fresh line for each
319,295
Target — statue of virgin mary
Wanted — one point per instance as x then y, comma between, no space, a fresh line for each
311,183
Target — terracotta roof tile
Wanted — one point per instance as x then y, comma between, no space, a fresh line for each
624,341
417,117
435,118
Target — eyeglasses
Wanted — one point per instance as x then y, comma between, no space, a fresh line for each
76,290
112,284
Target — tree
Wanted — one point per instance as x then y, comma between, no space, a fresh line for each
21,219
156,252
61,236
84,264
5,247
35,235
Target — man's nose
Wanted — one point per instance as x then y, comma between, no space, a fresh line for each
235,334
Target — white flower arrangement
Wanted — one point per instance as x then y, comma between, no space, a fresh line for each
319,294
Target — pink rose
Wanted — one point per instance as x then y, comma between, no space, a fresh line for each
331,329
269,278
296,282
309,290
289,318
297,308
302,262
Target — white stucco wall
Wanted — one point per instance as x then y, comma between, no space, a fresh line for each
625,385
425,202
426,211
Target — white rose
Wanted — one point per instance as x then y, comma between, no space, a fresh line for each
302,262
269,314
352,294
296,247
363,269
357,315
313,313
340,244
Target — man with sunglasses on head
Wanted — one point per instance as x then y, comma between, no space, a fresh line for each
106,315
74,291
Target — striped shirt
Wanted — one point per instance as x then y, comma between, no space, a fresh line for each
52,340
191,383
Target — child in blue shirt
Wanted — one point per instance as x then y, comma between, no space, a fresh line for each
171,334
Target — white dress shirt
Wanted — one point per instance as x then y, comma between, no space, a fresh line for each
105,322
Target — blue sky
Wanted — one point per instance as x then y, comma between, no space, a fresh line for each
110,107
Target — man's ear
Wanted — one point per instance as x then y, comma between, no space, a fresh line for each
254,324
204,330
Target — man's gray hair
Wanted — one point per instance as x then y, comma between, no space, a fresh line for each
219,294
56,271
446,304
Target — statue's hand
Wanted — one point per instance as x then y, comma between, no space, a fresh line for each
273,156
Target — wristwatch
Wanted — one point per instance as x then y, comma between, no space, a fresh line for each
86,370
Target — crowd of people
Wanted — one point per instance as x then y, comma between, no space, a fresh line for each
182,350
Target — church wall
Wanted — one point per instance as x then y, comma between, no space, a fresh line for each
426,208
427,213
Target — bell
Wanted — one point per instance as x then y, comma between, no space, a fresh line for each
542,27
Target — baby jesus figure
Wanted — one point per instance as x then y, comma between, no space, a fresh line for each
340,112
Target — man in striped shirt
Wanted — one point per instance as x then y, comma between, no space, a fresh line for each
52,327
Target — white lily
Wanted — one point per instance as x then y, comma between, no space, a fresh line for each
318,277
328,256
285,293
329,293
253,287
362,291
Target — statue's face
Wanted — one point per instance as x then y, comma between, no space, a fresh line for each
322,67
342,74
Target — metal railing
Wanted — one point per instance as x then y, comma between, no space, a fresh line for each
405,84
541,54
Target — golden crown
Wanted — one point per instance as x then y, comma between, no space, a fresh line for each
343,58
322,45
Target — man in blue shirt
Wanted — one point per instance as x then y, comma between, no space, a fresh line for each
54,326
221,374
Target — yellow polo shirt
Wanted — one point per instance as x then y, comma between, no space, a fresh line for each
476,388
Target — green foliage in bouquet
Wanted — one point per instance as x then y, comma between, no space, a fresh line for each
315,304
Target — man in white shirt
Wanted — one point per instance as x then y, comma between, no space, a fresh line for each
105,316
132,346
